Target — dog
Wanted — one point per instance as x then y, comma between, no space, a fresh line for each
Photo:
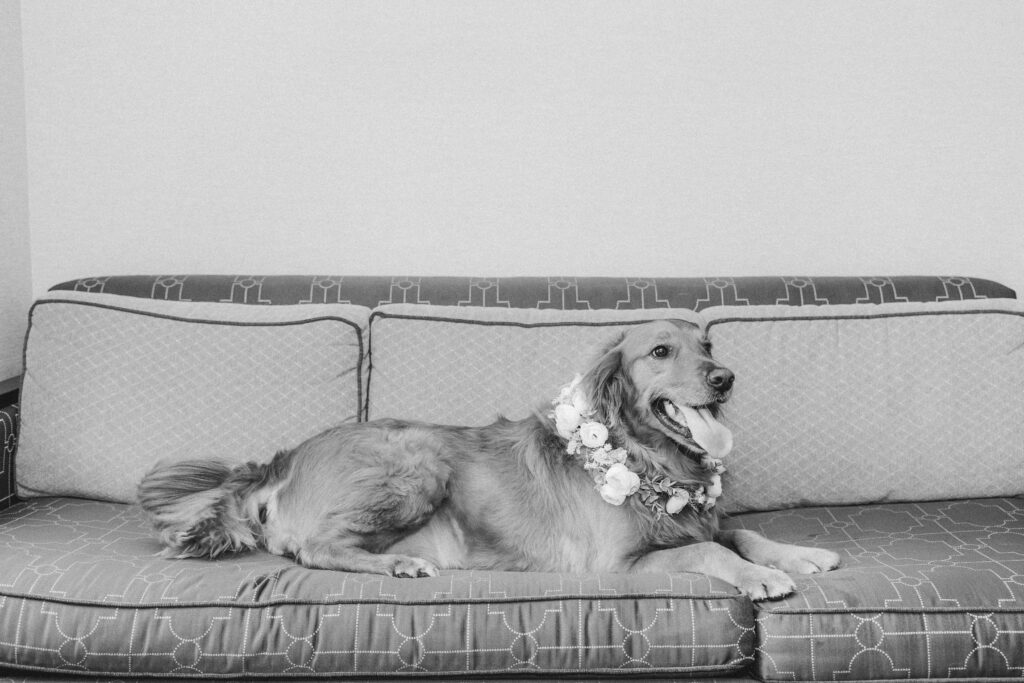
620,474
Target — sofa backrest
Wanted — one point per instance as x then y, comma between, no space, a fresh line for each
123,371
467,366
852,404
114,383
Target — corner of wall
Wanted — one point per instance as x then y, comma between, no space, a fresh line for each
15,256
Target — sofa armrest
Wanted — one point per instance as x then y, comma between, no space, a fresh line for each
8,444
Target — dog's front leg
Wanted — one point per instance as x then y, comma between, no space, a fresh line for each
713,559
795,559
349,558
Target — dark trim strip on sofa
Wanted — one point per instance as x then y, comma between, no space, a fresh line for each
733,597
861,316
556,292
511,323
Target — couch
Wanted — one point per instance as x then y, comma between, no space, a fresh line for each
881,417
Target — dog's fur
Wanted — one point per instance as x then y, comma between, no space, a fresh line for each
408,498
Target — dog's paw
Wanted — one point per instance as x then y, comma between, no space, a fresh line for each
803,560
412,567
765,583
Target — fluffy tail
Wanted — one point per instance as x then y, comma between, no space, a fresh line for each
198,506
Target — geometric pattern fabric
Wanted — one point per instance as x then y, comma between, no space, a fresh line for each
82,589
926,590
563,293
929,589
9,420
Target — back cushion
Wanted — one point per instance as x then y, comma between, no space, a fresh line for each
854,404
466,366
113,384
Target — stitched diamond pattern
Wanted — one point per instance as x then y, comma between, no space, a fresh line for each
108,393
848,410
467,368
465,374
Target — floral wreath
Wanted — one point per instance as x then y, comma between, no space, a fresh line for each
588,438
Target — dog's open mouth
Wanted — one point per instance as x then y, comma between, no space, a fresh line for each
695,423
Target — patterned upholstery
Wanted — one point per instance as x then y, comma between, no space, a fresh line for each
566,293
81,588
8,443
926,590
465,366
113,384
843,404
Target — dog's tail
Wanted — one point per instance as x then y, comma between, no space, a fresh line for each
198,506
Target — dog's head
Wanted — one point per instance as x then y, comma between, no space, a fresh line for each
661,377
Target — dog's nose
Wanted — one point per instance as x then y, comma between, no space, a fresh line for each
721,379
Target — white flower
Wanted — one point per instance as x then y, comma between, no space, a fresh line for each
567,419
714,489
619,482
593,434
677,502
566,393
580,403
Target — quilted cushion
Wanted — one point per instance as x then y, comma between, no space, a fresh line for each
81,589
467,365
114,383
853,404
926,590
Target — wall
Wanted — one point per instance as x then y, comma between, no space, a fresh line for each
15,274
505,138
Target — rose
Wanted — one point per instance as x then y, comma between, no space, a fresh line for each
619,482
567,419
677,502
593,434
714,488
580,403
565,395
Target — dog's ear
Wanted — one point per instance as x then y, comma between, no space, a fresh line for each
608,385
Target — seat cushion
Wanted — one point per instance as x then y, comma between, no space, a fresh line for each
113,384
926,590
82,589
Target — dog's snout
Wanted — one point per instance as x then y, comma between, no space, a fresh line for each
720,379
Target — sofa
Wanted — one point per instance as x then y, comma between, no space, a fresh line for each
880,417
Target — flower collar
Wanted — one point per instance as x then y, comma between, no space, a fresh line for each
587,438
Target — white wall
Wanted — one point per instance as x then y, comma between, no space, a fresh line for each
15,274
514,138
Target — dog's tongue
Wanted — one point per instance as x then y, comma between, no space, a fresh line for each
709,433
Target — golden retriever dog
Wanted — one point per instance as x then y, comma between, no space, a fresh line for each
621,473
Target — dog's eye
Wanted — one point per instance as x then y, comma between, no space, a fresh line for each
263,514
661,351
